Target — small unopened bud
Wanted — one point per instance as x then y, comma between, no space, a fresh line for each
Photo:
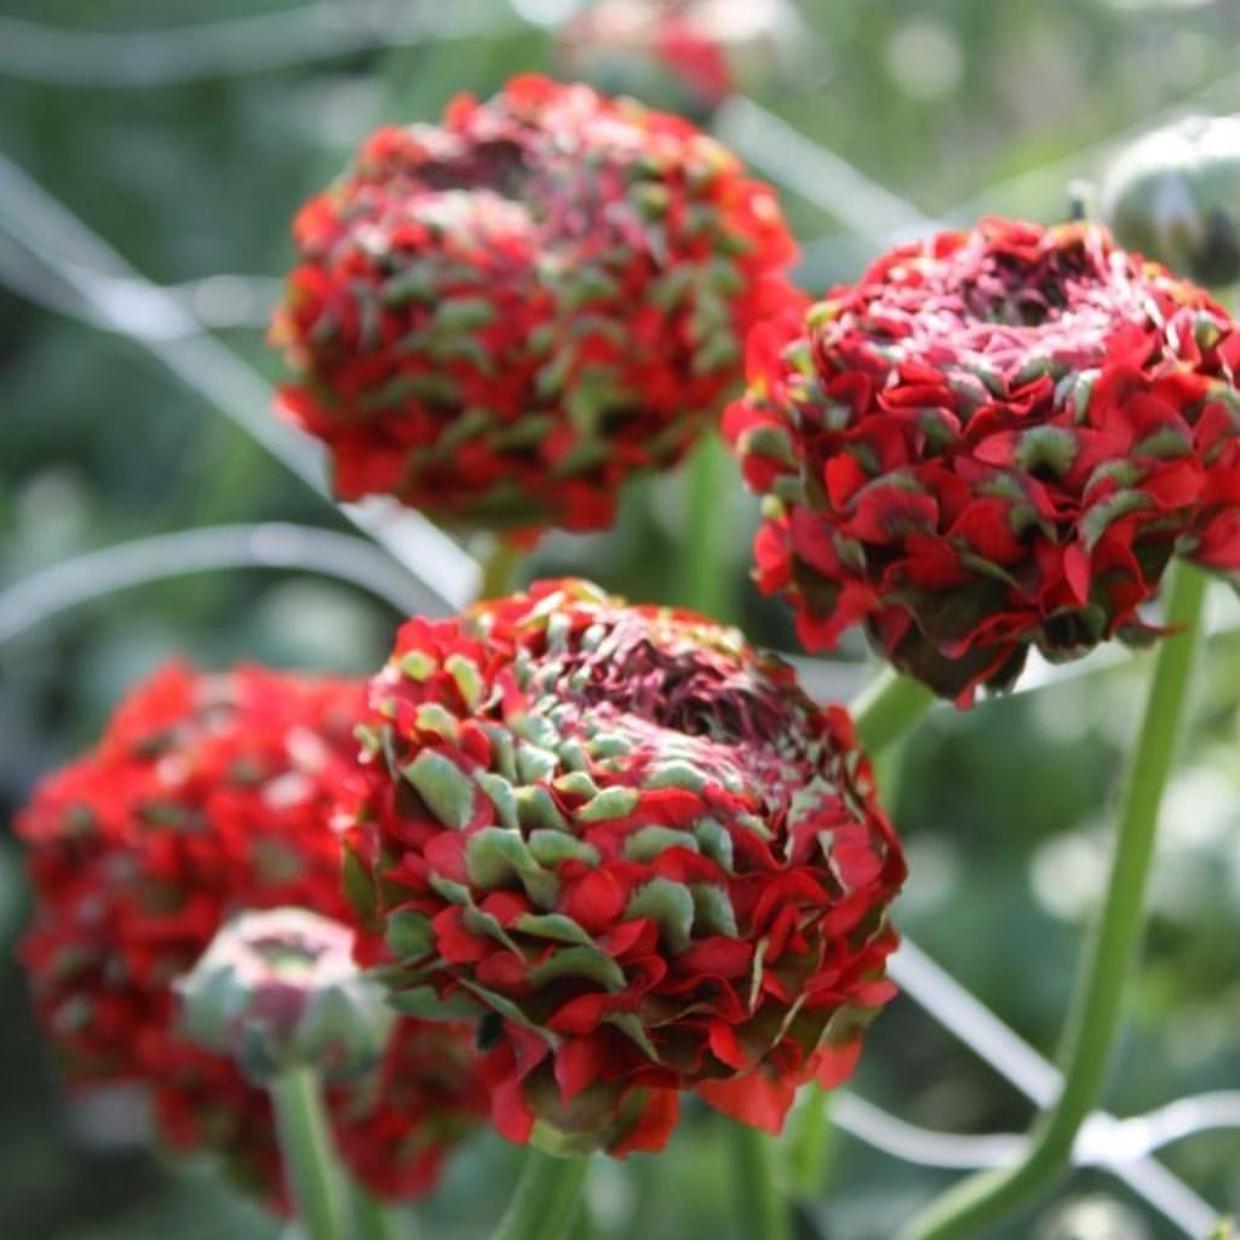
1174,196
280,989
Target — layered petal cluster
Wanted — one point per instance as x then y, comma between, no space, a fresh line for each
208,796
634,851
500,318
996,440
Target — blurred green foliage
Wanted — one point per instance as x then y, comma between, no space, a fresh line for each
1004,809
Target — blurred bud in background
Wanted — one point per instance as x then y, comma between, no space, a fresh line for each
1095,1217
1174,195
685,56
279,989
925,60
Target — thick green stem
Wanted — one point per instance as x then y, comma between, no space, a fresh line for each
888,708
810,1142
499,569
546,1198
309,1160
971,1207
761,1205
707,529
375,1221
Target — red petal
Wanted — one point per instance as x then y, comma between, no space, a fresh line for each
755,1099
726,1046
658,1119
1077,572
577,1065
596,901
457,945
513,1119
835,1064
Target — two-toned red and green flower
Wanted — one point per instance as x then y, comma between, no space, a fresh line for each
633,852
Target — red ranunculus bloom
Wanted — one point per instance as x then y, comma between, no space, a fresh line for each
501,318
995,440
636,851
209,795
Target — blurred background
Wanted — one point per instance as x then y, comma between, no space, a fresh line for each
185,133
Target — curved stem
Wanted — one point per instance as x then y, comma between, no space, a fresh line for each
309,1161
969,1208
545,1200
761,1206
887,708
499,569
707,504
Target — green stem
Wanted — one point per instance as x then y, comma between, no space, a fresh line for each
545,1200
499,568
376,1221
761,1206
1096,1015
810,1142
708,500
888,708
309,1161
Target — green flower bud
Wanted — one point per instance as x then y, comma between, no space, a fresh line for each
1174,195
279,989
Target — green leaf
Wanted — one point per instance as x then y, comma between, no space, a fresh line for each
588,962
468,679
502,795
359,884
536,808
503,753
535,763
460,314
630,1024
447,791
510,1011
550,847
574,759
418,665
609,745
1047,447
617,802
409,935
422,1001
716,843
577,783
712,909
419,283
648,842
1099,518
553,926
770,441
676,774
438,720
496,857
668,903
